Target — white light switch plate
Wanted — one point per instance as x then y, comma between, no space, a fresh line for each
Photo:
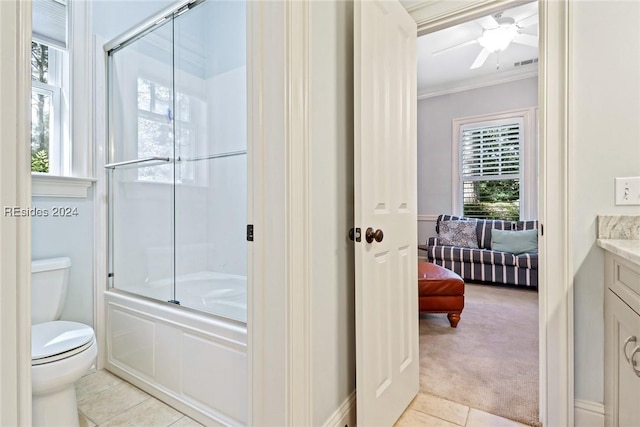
628,190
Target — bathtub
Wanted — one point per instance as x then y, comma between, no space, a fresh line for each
207,291
184,355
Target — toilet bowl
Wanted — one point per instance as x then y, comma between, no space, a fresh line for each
61,351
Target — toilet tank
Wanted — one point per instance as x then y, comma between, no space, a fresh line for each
48,288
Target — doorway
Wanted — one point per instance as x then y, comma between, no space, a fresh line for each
477,160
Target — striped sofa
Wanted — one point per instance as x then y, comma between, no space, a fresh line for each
484,264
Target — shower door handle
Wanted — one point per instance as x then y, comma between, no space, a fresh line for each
135,161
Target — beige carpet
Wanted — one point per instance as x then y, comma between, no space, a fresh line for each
490,361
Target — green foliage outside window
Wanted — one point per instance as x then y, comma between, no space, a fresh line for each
40,110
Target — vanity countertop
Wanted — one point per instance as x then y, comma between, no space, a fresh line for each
626,249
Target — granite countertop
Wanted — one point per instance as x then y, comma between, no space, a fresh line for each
626,249
620,235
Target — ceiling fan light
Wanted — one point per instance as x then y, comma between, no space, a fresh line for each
498,39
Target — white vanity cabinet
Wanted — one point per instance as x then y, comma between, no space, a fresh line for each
622,342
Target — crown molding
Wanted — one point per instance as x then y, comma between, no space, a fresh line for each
506,77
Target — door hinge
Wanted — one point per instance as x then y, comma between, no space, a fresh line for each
249,232
541,229
355,234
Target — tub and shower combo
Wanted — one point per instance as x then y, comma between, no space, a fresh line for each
176,302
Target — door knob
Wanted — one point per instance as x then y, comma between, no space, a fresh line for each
371,235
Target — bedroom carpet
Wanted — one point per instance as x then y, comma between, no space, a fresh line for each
490,361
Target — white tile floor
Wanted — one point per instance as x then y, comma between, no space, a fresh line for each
106,400
431,411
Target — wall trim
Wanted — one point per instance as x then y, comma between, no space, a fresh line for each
589,414
15,232
44,185
299,280
427,218
555,290
478,84
345,415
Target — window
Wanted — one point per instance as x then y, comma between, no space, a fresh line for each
491,165
48,68
46,108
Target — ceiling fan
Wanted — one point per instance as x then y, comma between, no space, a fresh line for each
498,33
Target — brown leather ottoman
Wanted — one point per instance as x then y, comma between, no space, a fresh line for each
440,291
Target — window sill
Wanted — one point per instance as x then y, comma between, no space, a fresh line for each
43,185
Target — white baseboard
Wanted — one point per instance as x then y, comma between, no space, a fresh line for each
588,414
345,415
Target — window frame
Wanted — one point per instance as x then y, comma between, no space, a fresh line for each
77,110
528,157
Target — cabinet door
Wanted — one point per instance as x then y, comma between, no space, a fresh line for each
622,359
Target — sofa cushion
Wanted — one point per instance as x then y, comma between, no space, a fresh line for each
529,261
525,225
477,256
458,233
515,241
485,227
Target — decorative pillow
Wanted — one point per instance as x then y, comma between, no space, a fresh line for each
515,242
458,233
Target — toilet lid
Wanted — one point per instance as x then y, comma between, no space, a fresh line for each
55,338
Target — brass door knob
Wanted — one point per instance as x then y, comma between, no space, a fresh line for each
371,235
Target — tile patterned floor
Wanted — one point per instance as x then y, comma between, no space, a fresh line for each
431,411
105,400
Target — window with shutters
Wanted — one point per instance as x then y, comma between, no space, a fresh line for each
491,168
49,71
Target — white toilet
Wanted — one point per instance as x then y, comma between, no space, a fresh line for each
61,352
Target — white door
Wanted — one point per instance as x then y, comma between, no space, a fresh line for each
387,365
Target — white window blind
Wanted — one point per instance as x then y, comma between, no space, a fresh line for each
50,22
490,165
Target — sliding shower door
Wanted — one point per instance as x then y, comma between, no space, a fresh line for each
178,163
141,169
211,166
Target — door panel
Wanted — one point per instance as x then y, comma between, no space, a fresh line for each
385,199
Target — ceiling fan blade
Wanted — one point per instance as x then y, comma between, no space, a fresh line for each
455,46
528,21
526,39
482,56
488,22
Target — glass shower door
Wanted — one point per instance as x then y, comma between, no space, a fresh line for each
211,158
178,160
141,165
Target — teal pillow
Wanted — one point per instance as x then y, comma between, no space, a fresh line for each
515,242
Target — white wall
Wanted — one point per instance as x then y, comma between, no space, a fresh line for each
332,297
71,237
434,138
605,143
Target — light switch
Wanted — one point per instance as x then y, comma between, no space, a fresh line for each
628,190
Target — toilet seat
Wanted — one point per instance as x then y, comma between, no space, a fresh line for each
57,340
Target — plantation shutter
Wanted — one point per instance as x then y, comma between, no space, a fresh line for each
50,22
490,165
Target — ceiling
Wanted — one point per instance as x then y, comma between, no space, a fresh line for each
450,71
